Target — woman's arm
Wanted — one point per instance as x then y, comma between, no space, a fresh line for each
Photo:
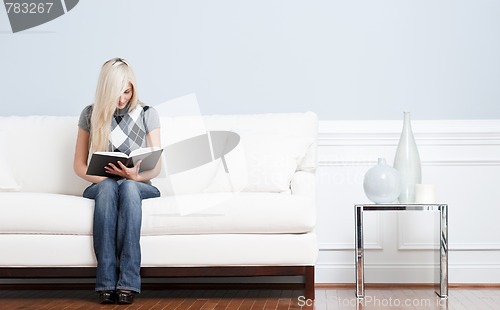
81,155
153,139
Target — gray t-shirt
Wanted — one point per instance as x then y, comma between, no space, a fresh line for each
128,128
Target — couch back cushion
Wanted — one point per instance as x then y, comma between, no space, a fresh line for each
7,181
271,148
39,151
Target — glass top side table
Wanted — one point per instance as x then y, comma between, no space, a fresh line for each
359,210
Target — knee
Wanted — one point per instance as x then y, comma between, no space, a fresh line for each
129,190
106,199
108,184
130,199
128,186
108,188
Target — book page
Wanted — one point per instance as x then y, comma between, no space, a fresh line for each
143,150
114,154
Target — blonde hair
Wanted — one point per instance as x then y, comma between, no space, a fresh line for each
115,76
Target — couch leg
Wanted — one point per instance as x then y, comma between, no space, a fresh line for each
309,282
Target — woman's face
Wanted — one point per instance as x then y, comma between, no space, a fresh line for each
125,97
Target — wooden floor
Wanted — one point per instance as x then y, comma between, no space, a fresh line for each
326,299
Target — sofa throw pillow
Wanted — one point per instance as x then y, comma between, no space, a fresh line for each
7,181
262,162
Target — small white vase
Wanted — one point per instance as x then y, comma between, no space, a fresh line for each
407,162
382,183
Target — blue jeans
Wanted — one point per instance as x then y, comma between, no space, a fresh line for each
117,231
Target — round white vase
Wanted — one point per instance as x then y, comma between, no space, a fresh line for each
382,183
407,162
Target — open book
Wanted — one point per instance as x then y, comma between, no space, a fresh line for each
99,160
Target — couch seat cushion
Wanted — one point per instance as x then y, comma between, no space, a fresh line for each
215,213
209,213
45,213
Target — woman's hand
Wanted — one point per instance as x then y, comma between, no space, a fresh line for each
124,172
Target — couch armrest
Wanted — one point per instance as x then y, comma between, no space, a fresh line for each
304,183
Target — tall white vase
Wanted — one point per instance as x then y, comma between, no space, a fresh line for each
407,162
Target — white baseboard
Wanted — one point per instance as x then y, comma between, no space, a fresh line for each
462,274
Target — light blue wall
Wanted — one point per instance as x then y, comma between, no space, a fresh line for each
364,59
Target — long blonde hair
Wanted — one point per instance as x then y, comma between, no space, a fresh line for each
113,80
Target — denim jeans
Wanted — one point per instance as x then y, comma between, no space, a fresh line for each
117,231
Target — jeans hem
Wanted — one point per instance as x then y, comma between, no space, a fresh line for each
99,289
129,288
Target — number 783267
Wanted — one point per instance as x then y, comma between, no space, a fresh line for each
28,8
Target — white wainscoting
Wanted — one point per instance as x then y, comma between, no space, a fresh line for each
460,157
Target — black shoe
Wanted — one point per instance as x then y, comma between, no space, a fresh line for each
107,297
125,298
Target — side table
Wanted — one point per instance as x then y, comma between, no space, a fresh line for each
359,210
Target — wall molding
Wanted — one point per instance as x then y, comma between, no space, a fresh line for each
338,246
474,247
455,163
429,132
443,135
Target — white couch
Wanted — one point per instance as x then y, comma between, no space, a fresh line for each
248,222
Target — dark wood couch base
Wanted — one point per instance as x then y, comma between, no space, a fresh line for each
307,272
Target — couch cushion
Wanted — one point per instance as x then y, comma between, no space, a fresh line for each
41,151
271,159
228,213
271,148
157,251
7,181
298,125
214,213
44,213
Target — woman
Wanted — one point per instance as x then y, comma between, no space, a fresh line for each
117,121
